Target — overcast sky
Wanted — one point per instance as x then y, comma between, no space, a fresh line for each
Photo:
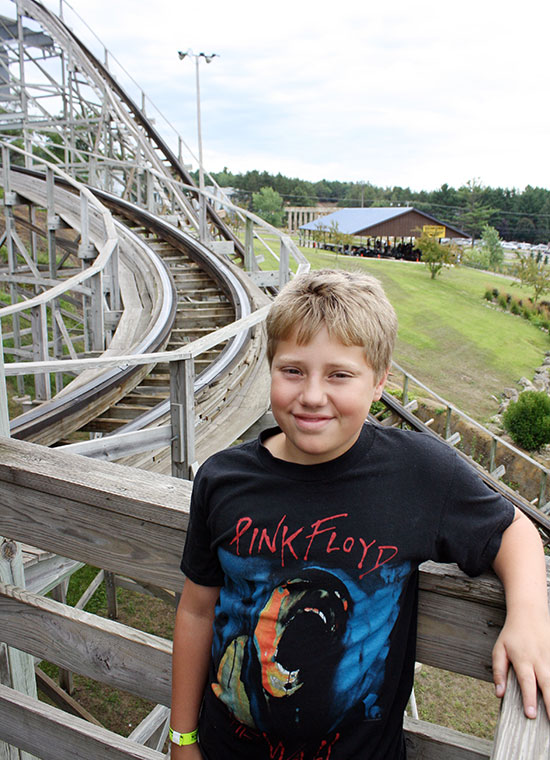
398,93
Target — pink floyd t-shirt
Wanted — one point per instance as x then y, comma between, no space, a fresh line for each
315,628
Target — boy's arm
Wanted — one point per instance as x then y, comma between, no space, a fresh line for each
525,638
190,659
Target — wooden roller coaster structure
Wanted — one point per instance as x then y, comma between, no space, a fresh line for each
132,340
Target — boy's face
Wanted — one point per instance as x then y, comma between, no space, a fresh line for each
321,394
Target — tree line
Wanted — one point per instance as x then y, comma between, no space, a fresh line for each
522,215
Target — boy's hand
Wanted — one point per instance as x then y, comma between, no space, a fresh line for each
525,644
524,641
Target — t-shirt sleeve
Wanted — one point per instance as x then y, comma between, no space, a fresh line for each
472,521
200,560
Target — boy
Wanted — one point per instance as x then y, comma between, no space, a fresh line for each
296,627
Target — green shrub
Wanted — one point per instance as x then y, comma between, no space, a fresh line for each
527,420
515,308
502,302
488,295
478,258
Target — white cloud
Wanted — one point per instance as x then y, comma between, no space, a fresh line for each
399,93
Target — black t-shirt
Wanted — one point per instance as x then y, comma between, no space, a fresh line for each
315,628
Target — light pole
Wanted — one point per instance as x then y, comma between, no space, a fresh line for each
203,228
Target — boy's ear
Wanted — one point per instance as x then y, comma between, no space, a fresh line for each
379,387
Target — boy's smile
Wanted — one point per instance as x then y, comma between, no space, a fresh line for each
321,394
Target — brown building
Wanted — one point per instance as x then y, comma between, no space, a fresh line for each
393,222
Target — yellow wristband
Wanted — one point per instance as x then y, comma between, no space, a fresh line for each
182,739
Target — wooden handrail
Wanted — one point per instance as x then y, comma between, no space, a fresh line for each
518,737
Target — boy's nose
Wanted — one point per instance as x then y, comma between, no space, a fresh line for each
313,393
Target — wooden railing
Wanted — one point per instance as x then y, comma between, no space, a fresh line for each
134,524
500,449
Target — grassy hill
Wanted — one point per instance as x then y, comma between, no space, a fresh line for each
449,336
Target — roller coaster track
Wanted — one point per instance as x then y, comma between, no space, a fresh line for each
189,292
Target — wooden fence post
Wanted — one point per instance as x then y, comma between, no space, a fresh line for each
39,326
249,257
182,412
16,667
448,422
283,264
542,491
4,413
405,394
59,593
493,455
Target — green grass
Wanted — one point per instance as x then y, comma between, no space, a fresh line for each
449,336
453,700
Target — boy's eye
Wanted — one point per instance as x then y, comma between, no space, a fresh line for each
341,375
290,371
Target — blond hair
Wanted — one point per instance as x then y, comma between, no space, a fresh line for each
351,305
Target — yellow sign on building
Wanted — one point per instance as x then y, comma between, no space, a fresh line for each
434,230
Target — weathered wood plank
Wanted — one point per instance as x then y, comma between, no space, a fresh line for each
516,736
158,593
104,650
125,545
153,729
460,618
104,514
58,696
16,666
427,741
107,485
55,735
457,634
48,571
449,580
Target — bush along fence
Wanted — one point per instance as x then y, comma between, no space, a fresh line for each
538,313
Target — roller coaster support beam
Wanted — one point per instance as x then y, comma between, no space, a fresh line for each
9,200
182,412
94,325
203,227
284,261
39,326
4,414
250,264
53,222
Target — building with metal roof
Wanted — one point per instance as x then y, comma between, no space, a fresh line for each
393,222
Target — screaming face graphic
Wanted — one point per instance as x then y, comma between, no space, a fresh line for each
301,652
293,652
310,609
